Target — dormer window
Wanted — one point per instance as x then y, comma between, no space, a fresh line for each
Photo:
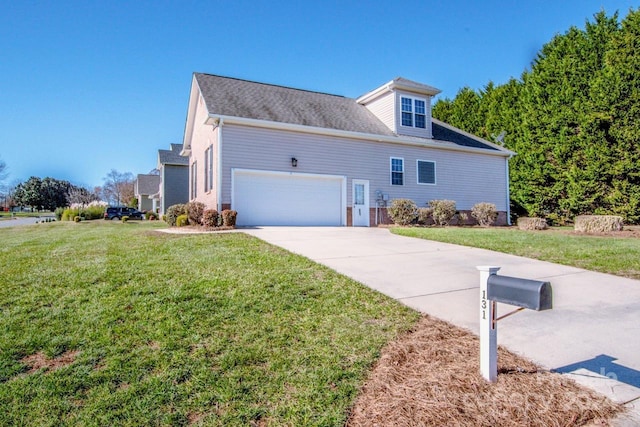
413,112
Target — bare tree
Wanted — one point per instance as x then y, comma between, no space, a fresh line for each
81,196
118,187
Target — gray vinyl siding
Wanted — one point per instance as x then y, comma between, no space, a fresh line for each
175,179
383,108
412,131
467,178
144,203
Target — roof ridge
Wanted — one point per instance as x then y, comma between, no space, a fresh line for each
273,85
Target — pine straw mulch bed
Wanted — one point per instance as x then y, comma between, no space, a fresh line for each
430,377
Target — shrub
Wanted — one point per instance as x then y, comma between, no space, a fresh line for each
173,212
194,212
229,218
93,212
182,220
77,218
425,216
443,211
210,218
598,223
150,215
58,213
463,217
403,211
525,223
484,213
69,214
125,218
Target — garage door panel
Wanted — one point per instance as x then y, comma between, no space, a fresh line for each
264,198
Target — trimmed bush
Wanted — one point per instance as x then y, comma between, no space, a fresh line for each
182,220
77,218
173,212
229,218
210,218
194,212
425,216
150,216
403,211
443,211
526,223
598,223
125,218
484,213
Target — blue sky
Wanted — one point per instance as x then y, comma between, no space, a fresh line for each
87,86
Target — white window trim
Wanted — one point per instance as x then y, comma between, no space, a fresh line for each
391,171
194,180
413,112
206,170
435,172
210,167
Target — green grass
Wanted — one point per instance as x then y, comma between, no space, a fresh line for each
222,329
614,255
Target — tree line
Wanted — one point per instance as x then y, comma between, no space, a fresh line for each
50,193
573,119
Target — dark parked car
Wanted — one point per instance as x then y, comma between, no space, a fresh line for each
116,213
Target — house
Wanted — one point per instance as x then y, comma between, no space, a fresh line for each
284,156
174,178
145,186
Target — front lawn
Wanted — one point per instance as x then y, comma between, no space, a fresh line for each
105,323
607,254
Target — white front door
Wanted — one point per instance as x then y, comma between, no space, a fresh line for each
360,210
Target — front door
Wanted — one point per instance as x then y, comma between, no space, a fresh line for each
360,210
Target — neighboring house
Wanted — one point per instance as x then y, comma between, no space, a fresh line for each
284,156
145,187
174,178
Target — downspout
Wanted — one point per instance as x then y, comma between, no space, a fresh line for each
219,178
508,191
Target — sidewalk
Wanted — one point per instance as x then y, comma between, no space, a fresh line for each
592,333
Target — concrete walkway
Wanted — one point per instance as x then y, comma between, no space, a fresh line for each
592,333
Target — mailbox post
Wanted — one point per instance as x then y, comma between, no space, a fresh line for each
488,332
522,293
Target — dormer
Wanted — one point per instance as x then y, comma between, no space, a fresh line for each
404,106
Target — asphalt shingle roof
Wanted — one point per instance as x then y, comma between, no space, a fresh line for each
442,133
240,98
228,96
172,157
148,184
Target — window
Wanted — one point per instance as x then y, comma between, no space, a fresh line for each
414,112
426,172
397,171
407,116
208,169
211,167
194,180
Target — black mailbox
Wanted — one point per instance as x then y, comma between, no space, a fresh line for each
531,294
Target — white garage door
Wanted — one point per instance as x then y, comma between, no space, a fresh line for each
280,198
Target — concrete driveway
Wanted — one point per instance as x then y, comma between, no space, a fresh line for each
592,333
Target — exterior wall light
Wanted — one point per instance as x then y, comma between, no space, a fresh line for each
294,162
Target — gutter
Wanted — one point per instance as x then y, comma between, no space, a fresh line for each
506,161
219,177
266,124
